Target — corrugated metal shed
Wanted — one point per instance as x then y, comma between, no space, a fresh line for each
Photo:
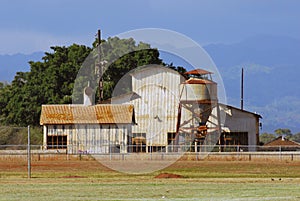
78,114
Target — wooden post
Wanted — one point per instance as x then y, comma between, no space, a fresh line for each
29,155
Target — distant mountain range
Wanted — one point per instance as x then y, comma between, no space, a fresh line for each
272,71
271,66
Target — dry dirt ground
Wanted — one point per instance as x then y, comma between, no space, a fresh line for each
69,178
86,166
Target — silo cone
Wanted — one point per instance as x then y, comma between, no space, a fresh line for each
198,97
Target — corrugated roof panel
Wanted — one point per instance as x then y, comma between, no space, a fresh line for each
198,72
78,114
198,81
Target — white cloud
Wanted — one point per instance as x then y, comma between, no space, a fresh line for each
26,42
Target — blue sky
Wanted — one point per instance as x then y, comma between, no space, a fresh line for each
35,25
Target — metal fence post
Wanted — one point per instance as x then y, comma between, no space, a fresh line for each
29,154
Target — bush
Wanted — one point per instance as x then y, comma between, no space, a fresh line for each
18,136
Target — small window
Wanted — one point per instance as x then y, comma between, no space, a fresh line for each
57,142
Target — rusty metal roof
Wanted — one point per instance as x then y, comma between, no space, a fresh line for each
282,142
198,81
239,109
198,72
79,114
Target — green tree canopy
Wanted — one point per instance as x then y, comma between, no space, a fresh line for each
266,137
296,137
283,132
124,55
48,82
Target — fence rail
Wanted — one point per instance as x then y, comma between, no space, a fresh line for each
213,153
112,148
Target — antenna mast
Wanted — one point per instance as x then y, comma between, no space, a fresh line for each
242,90
99,69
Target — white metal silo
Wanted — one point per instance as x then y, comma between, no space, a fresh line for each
198,97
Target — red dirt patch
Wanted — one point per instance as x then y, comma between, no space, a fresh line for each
168,175
73,176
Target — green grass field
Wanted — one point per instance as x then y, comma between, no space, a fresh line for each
202,180
143,188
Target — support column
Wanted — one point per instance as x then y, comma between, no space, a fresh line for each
45,134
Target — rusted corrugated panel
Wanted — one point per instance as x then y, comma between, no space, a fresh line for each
198,72
198,81
55,114
114,113
77,114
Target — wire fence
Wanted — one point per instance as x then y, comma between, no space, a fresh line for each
169,153
114,149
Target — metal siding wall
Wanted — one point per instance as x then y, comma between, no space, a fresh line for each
96,138
240,121
159,93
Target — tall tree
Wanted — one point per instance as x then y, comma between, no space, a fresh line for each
266,137
296,137
124,55
283,132
48,82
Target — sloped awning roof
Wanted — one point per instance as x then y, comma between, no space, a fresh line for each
79,114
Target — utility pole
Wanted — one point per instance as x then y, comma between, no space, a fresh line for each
242,90
99,70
